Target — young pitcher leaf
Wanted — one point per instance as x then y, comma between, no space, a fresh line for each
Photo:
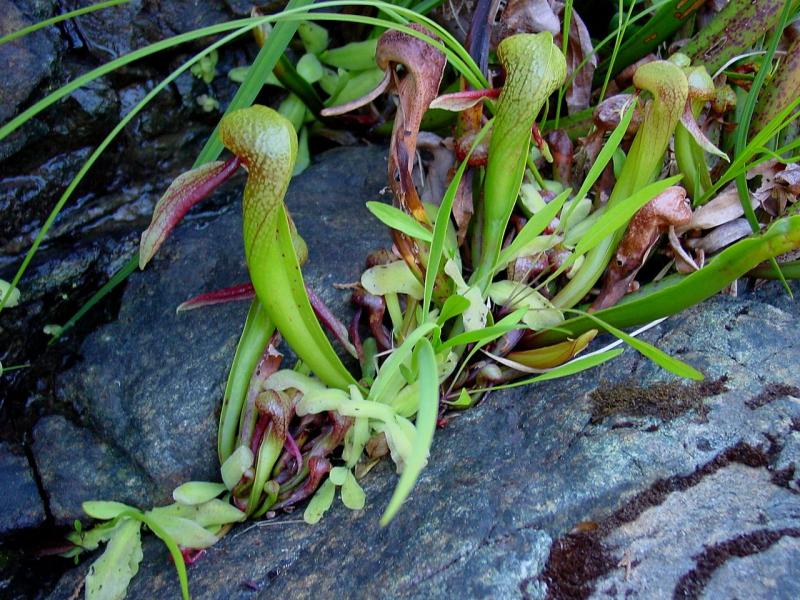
197,492
565,370
353,495
392,278
338,475
217,512
235,466
185,532
110,574
389,377
104,509
453,307
320,503
9,294
425,426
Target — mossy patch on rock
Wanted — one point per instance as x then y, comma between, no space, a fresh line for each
664,400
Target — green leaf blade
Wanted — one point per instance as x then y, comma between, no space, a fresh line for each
425,426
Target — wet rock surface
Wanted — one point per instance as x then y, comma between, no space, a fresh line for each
28,60
74,464
42,156
98,229
20,505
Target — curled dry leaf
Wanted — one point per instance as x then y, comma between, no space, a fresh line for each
725,207
579,48
668,209
625,77
683,260
562,151
608,114
780,185
438,168
526,16
416,87
722,236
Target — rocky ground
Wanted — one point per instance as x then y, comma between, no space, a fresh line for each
619,482
616,482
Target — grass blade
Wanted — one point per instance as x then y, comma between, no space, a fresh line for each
118,278
395,218
59,18
744,126
442,220
262,66
661,358
93,158
425,426
606,154
565,370
621,29
532,228
618,215
669,17
503,326
390,374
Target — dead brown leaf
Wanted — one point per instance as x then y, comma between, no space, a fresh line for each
668,209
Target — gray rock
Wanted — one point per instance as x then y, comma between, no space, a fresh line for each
76,466
672,546
119,30
20,504
27,60
765,574
528,465
109,33
161,407
26,200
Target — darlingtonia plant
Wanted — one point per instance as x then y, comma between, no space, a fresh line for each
503,279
